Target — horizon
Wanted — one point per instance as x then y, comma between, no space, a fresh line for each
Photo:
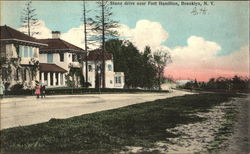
202,46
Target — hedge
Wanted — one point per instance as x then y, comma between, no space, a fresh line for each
56,91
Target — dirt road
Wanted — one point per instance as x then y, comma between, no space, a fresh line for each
29,110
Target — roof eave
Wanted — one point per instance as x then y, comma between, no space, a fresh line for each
36,43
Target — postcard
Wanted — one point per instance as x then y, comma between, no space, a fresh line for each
124,76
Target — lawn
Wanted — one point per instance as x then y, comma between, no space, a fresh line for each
110,131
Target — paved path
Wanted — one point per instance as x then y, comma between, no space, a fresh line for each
29,110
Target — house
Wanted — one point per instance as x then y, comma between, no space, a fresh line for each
19,57
112,79
54,62
60,62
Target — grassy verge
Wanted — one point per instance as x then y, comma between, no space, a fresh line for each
226,129
73,91
112,130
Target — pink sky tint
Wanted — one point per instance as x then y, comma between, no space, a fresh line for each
201,74
198,60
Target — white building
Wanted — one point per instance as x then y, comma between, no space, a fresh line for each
19,57
112,79
54,62
65,58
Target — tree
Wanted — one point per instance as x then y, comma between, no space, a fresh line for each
84,19
139,68
148,69
29,20
104,26
161,59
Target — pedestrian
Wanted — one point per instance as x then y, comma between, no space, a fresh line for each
43,92
2,88
37,90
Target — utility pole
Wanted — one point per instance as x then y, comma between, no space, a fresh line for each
103,46
85,42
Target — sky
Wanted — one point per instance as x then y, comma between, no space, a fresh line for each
204,41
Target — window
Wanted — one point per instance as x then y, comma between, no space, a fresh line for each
25,51
35,52
111,82
61,57
26,54
118,79
20,51
49,58
30,52
109,67
90,68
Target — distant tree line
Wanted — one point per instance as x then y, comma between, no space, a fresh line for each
235,83
142,69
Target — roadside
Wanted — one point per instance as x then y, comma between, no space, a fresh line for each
239,141
113,131
225,131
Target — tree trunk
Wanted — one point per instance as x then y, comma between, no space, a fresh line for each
103,46
86,47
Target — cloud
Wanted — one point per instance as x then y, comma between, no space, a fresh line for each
76,36
197,51
44,31
198,60
237,61
145,33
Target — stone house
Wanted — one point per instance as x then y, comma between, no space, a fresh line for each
112,79
53,62
19,57
60,62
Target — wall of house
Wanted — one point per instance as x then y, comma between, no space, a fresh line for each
56,60
119,80
11,51
42,58
110,79
3,49
109,72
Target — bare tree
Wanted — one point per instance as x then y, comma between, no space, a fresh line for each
84,11
104,26
29,20
161,59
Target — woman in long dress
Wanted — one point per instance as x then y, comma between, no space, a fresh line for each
37,90
2,88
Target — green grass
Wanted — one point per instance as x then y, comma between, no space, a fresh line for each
112,130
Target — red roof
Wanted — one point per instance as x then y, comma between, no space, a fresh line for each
58,44
45,67
95,55
9,33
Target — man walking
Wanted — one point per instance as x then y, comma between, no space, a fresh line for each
43,92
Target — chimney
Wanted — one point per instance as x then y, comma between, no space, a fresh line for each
56,34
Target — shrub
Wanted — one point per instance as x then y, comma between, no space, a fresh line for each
16,87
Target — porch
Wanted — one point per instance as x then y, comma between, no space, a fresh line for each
52,75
